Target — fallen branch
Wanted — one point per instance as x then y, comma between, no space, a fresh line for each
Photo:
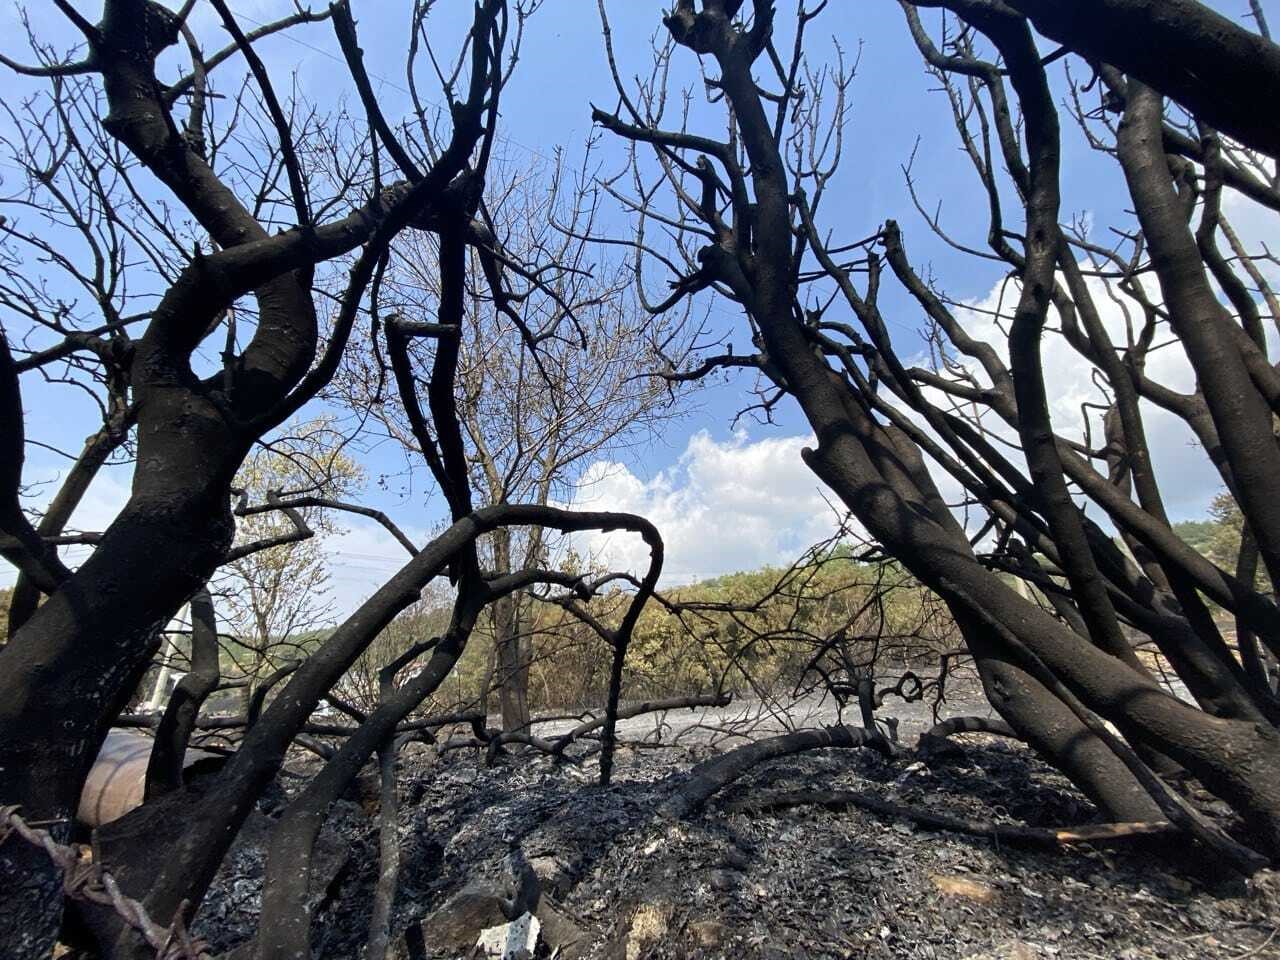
935,738
647,706
991,725
711,776
1014,834
557,744
149,721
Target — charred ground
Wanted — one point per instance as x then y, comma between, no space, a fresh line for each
809,881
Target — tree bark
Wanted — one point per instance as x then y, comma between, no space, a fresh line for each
512,647
173,733
73,665
1242,417
1236,759
1208,63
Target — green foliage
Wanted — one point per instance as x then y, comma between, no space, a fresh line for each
753,632
6,597
1228,527
1196,533
1218,537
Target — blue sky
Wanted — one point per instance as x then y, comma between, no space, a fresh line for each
699,464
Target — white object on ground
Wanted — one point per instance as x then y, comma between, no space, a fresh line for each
516,940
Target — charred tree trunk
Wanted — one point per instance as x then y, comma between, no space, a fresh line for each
173,733
73,665
1048,725
513,649
1049,681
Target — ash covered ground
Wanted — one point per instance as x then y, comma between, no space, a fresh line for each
618,879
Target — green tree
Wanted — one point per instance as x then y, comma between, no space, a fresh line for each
1197,533
277,599
1228,526
6,595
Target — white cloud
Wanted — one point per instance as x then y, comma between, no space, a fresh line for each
1188,479
722,507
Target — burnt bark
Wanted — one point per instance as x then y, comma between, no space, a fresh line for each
1206,62
173,733
68,671
514,653
1047,679
1242,418
1002,833
711,776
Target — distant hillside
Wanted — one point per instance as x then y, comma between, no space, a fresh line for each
1198,533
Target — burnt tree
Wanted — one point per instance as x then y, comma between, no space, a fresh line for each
229,278
747,219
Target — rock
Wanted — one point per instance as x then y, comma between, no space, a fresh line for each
561,933
554,875
963,887
649,924
517,940
706,933
735,859
455,924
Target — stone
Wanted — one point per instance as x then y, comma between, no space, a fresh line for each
455,924
964,888
706,933
560,932
554,875
517,940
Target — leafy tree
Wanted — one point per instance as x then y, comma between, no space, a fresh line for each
1198,534
6,597
1220,537
276,597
